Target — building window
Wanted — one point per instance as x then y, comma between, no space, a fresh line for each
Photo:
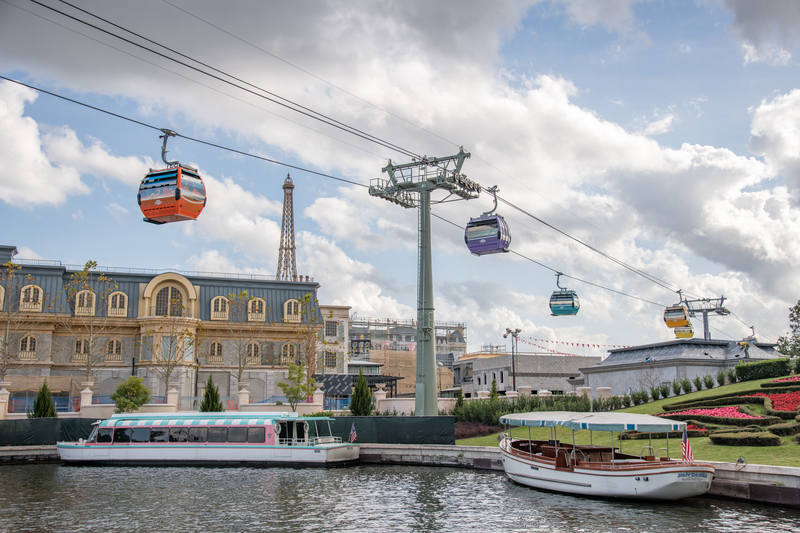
118,304
252,354
169,302
288,354
114,350
215,353
255,310
27,347
84,303
329,360
81,351
291,311
31,298
479,381
219,308
501,376
331,328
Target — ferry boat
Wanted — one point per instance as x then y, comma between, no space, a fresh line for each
596,470
211,439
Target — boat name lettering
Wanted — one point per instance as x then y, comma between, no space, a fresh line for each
692,475
534,468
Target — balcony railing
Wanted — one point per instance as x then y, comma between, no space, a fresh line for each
256,317
219,315
113,358
117,311
31,306
215,360
79,357
252,360
27,356
171,311
84,311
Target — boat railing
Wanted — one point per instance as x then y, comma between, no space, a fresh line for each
325,440
642,454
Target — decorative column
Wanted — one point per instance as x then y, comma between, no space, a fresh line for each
319,395
173,396
379,396
4,395
86,393
244,394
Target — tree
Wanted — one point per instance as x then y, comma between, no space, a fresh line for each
172,342
20,311
211,402
308,334
92,323
459,400
130,395
790,344
361,402
43,406
299,387
493,393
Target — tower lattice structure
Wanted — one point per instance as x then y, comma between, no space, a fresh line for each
287,262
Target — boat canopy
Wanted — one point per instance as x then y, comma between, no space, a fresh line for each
593,421
205,419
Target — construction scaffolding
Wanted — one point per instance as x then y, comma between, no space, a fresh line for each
367,334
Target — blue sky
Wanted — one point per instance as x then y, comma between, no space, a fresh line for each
663,133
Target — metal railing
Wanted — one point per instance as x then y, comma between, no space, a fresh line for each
27,356
117,311
331,404
63,404
192,403
171,311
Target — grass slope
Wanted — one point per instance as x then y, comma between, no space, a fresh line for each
786,455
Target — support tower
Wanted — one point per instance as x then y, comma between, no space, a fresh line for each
287,262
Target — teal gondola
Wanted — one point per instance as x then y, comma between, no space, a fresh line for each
564,302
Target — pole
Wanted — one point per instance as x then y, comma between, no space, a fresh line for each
706,331
514,360
425,403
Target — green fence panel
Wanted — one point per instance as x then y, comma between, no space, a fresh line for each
30,431
397,429
73,429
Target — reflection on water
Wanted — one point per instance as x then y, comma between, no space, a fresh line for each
362,498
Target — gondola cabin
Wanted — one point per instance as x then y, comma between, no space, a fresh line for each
684,332
487,234
564,303
171,195
676,317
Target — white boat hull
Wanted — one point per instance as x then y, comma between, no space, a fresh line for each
208,454
673,480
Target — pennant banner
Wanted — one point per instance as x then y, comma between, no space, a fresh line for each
577,344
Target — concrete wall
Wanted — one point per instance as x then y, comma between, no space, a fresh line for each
623,380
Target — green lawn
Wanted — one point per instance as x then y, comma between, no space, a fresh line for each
786,455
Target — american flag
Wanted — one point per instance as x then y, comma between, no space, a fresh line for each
353,433
687,448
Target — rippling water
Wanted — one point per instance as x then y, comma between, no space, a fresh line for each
45,498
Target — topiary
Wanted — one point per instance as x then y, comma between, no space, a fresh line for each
211,401
43,405
361,402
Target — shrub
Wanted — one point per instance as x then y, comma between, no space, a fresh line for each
721,376
708,381
698,383
43,405
626,401
211,401
664,390
731,375
782,430
635,398
655,392
459,400
745,439
361,402
772,368
616,402
797,365
676,387
130,395
686,385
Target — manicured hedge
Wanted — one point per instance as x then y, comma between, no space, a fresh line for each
672,434
790,428
677,406
745,439
766,421
772,368
783,415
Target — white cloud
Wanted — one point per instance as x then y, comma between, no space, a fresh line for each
23,252
117,211
77,215
685,49
766,31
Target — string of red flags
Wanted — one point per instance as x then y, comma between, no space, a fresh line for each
576,344
548,350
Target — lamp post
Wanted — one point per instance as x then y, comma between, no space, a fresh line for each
513,333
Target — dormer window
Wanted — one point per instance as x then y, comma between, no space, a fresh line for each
84,303
256,310
219,308
118,304
291,311
31,298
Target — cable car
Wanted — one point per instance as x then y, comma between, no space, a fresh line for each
684,332
488,233
172,194
564,302
676,317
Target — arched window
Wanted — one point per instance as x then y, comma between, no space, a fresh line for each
288,353
114,350
291,311
27,347
252,354
255,310
31,298
84,303
215,353
169,302
81,350
118,304
219,308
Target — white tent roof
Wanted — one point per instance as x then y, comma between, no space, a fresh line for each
593,421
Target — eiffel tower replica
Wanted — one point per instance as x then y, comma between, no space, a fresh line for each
287,263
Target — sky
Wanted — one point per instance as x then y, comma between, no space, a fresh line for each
661,133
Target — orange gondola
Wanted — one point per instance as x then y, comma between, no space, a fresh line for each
172,194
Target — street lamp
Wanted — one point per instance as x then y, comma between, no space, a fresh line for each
513,334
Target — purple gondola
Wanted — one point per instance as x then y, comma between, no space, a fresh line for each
488,234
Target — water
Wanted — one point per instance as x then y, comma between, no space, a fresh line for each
45,497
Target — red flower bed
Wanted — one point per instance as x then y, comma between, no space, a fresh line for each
692,427
781,380
785,401
731,411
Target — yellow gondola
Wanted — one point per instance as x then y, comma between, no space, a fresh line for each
684,332
677,316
